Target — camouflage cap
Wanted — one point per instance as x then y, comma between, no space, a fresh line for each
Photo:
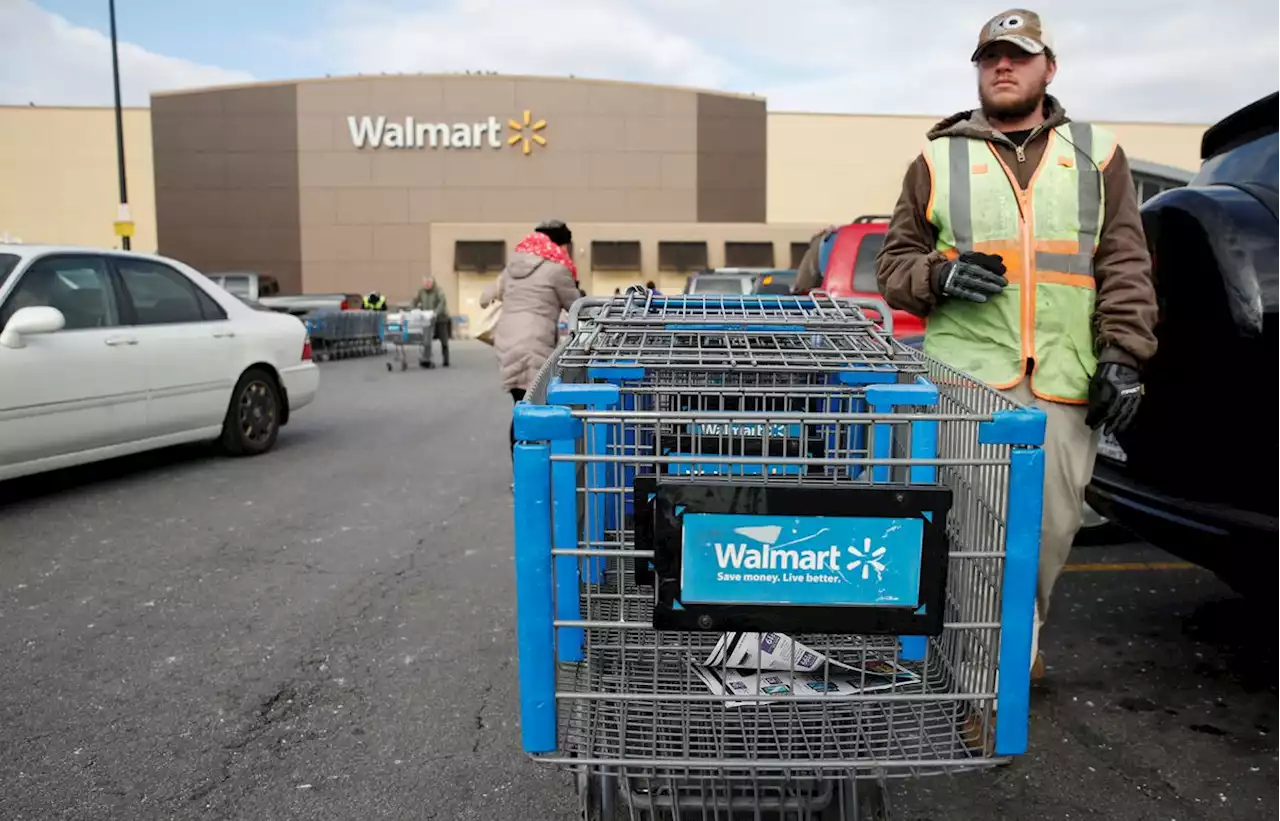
1021,27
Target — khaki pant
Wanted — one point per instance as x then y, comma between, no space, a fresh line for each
1070,448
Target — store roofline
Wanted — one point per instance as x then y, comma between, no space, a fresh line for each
862,114
562,79
30,107
455,75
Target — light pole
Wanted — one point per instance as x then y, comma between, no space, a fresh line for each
124,225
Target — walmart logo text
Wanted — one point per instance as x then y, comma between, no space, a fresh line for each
767,557
379,132
383,132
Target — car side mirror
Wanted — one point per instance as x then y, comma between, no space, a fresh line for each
38,319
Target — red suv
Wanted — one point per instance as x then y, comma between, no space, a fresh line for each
847,259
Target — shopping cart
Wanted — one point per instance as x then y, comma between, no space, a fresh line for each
699,478
406,329
343,334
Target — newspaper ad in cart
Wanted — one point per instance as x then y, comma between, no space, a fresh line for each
763,664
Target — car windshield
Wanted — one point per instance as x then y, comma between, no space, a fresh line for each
237,286
1253,162
717,285
8,262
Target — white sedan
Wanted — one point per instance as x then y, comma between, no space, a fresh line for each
106,353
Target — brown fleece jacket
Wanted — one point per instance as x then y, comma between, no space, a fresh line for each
1125,313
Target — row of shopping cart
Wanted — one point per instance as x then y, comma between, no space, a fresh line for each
345,334
766,559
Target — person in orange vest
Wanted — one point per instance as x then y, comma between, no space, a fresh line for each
1017,234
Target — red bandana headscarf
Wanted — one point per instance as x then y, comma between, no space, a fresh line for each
540,245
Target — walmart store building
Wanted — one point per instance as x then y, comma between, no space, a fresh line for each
367,183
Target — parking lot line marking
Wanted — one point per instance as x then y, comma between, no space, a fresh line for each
1106,567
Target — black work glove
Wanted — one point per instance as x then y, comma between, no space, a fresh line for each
974,276
1114,395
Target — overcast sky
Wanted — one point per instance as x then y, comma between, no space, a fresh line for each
1119,59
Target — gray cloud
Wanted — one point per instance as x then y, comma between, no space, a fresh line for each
48,61
1131,60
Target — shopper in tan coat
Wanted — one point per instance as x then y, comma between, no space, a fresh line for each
539,282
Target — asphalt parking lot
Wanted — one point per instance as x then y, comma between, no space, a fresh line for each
327,632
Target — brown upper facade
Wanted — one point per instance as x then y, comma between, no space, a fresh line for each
319,176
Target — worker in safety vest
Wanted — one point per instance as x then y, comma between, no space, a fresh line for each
1017,234
375,302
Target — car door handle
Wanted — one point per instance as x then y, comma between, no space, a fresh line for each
223,334
121,340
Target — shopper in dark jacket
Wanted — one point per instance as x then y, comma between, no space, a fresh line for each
431,297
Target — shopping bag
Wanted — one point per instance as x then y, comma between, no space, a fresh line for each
488,324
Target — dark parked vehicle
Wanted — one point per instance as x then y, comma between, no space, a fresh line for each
1196,474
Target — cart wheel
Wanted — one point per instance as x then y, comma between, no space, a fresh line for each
388,367
598,798
404,366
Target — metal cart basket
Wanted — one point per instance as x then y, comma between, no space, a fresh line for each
405,330
767,558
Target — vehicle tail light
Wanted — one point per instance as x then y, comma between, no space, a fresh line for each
306,349
346,305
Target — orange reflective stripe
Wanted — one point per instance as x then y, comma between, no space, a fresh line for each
998,246
1004,386
933,185
1059,278
1011,252
1058,246
1051,398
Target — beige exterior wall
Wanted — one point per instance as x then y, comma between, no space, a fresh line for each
58,185
830,168
463,287
58,180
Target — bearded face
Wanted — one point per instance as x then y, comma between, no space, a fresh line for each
1011,82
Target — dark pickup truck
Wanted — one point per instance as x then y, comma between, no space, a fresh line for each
1196,474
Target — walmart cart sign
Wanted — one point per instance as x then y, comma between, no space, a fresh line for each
750,430
815,560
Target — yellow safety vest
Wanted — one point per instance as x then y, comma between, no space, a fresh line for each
372,305
1047,236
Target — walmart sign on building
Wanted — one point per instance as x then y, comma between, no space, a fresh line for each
382,132
379,132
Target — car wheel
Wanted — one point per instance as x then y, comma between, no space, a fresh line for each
253,418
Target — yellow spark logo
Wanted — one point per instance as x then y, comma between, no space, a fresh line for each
527,132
